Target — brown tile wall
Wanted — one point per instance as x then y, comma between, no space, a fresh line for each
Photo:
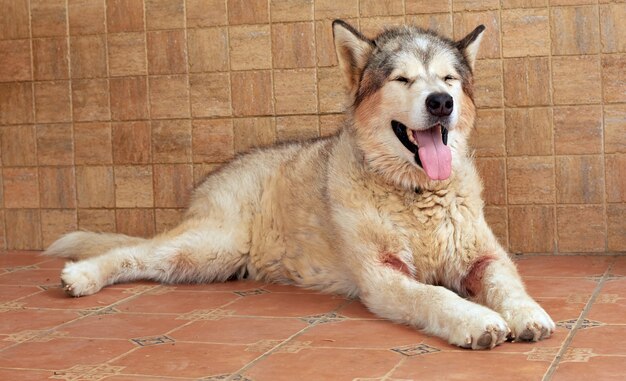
111,110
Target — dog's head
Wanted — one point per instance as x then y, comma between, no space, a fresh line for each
411,96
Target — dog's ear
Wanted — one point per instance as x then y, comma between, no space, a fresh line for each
353,50
469,44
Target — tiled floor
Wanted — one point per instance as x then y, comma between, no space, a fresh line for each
253,331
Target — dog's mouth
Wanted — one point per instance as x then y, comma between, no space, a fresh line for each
429,146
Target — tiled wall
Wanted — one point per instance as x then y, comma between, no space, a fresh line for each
111,110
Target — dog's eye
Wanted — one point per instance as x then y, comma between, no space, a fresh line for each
402,79
448,78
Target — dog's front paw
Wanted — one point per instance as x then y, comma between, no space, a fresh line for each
529,322
481,328
81,278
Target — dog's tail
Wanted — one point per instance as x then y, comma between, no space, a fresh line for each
81,244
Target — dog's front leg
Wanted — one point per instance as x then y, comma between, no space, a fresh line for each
493,281
388,291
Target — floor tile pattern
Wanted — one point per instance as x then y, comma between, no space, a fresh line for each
250,331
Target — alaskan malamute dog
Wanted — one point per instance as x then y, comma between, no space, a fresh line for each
388,210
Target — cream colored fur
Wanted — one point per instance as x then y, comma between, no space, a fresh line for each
340,215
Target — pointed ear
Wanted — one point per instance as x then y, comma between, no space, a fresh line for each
469,44
353,50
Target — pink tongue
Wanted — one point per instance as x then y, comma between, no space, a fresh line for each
435,156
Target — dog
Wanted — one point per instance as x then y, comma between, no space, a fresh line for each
388,210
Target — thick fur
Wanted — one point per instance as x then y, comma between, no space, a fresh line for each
351,214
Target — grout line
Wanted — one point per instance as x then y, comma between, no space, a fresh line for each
570,337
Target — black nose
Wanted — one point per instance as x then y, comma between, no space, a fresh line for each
439,104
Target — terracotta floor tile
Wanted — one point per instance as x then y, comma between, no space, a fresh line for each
238,285
177,302
289,289
324,364
51,263
559,287
19,258
563,266
8,293
615,287
357,310
56,298
29,319
186,360
596,338
286,305
24,375
560,308
239,330
63,353
471,365
122,326
619,267
135,377
610,304
603,368
35,277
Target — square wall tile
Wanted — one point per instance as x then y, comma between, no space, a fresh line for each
165,14
492,171
208,49
530,180
55,223
127,54
52,102
613,82
465,22
213,140
20,187
579,179
19,147
16,103
204,13
290,10
167,52
86,17
210,94
250,47
173,184
439,22
50,58
616,178
202,171
298,99
497,219
131,142
171,141
135,222
575,236
526,81
253,132
14,20
370,8
525,32
528,131
612,32
576,80
474,5
129,98
615,128
248,12
507,4
532,229
95,187
252,93
331,124
55,144
57,187
372,26
488,137
15,60
96,220
48,18
92,143
331,90
488,84
330,10
169,97
90,100
575,30
578,129
324,44
88,56
293,45
616,227
124,16
167,219
23,229
297,127
133,186
427,6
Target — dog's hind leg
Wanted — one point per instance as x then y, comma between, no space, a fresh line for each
196,251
